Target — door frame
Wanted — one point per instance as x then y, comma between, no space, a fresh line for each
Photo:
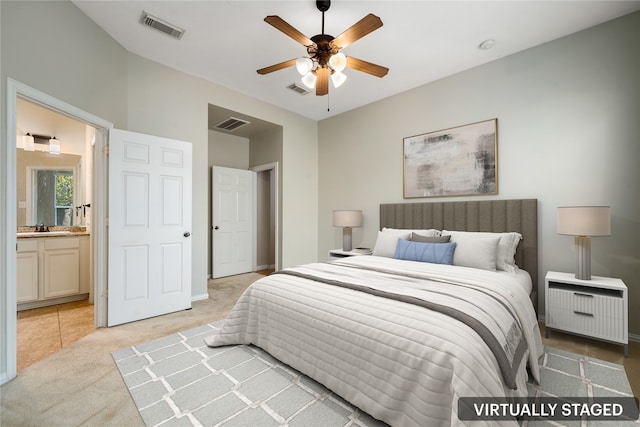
275,199
17,90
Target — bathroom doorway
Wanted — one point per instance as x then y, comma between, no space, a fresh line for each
54,184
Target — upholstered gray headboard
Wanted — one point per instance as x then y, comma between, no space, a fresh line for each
520,215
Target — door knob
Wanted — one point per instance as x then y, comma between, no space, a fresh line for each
186,234
216,227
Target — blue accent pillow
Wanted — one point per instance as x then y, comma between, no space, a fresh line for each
435,253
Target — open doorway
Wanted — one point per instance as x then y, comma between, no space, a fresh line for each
97,247
266,216
54,182
243,142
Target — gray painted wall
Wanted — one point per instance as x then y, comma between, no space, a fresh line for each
568,134
94,73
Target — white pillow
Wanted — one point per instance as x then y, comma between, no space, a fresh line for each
507,246
475,251
387,241
426,233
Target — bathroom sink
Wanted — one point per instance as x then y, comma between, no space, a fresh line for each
43,233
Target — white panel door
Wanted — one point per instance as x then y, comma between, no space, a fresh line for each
233,221
149,226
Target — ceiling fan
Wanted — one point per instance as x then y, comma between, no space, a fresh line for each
325,59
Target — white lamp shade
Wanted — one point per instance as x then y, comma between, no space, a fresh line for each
304,65
28,143
309,80
338,78
338,61
584,220
347,218
54,146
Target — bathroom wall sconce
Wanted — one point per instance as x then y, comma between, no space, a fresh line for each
54,145
29,141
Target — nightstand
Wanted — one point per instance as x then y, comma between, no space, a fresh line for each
596,308
335,254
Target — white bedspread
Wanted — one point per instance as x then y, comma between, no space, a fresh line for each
401,363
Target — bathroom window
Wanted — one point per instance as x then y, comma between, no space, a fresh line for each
53,190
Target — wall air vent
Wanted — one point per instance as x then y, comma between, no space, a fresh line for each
231,124
299,89
160,25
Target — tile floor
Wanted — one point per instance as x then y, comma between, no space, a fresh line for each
44,331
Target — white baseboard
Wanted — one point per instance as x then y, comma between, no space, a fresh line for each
200,297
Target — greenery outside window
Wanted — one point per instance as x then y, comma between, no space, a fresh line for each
54,197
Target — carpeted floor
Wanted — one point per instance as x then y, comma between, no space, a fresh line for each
80,385
177,380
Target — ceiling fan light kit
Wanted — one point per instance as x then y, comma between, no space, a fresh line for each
337,78
309,80
304,65
338,62
324,58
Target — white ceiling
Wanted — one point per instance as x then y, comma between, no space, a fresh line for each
421,41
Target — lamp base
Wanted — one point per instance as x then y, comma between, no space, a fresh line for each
346,239
583,257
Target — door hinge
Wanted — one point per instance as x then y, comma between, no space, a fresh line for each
106,150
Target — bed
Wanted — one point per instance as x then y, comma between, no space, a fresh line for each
403,339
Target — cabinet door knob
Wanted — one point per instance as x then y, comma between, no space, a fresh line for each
186,234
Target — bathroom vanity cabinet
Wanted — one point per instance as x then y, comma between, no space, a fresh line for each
52,270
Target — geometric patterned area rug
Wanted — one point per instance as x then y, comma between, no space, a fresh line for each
563,373
179,381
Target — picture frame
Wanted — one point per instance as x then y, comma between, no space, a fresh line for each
459,161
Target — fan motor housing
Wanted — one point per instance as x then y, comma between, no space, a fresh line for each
323,50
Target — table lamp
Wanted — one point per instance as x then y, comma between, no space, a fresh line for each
347,220
584,222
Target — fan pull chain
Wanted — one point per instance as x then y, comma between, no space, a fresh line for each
328,105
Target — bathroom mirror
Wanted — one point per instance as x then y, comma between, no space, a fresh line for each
48,188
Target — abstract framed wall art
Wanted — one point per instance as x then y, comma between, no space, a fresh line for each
460,161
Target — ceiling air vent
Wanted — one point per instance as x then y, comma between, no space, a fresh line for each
299,89
160,25
231,124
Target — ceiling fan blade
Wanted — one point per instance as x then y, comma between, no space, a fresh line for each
322,82
358,30
276,67
282,25
366,67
